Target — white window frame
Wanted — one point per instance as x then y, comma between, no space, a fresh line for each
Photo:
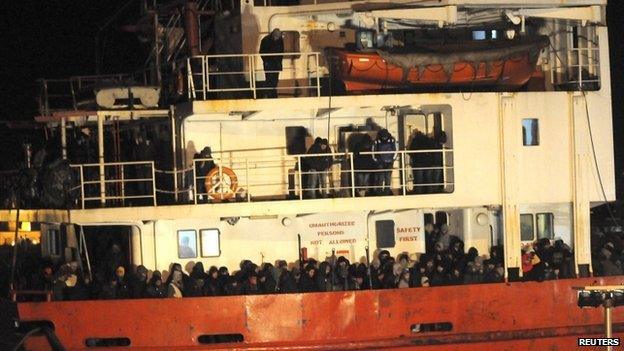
201,242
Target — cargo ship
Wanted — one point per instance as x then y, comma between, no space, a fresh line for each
501,115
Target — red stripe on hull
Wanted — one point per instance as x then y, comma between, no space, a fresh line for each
517,316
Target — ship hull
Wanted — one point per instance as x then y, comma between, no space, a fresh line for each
515,316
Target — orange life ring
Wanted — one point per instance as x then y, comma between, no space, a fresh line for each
221,189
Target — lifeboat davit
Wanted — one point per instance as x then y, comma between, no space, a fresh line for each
503,65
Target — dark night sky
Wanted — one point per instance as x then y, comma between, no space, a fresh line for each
55,38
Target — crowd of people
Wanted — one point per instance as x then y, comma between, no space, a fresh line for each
445,262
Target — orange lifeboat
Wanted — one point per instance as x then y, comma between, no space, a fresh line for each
501,65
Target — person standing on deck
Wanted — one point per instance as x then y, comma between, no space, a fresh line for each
272,44
387,146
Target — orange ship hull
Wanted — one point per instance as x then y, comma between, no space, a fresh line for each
504,68
515,316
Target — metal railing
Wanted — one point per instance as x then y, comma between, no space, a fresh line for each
114,183
266,178
278,177
576,65
242,73
75,93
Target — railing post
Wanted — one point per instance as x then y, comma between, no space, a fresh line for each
352,170
252,72
404,173
318,78
204,75
194,186
443,169
189,80
82,189
248,187
300,177
153,184
123,186
220,180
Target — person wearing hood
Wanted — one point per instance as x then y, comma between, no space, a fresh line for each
138,283
250,285
272,45
363,164
323,277
317,168
386,146
307,280
286,283
211,285
155,287
222,280
176,286
123,290
197,280
266,276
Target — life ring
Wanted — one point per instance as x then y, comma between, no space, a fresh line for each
218,188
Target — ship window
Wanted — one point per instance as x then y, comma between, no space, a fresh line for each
530,132
210,242
53,244
431,327
187,243
220,338
545,225
385,233
107,342
526,227
478,35
365,40
494,34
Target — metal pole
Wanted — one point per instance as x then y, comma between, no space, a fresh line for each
82,189
86,252
300,178
14,259
194,186
157,49
318,78
174,153
247,180
100,126
153,184
608,309
404,174
64,138
352,175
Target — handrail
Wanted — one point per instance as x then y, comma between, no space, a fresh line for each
268,177
203,71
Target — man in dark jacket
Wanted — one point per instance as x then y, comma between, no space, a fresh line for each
387,146
419,160
363,164
306,282
155,287
272,44
317,167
